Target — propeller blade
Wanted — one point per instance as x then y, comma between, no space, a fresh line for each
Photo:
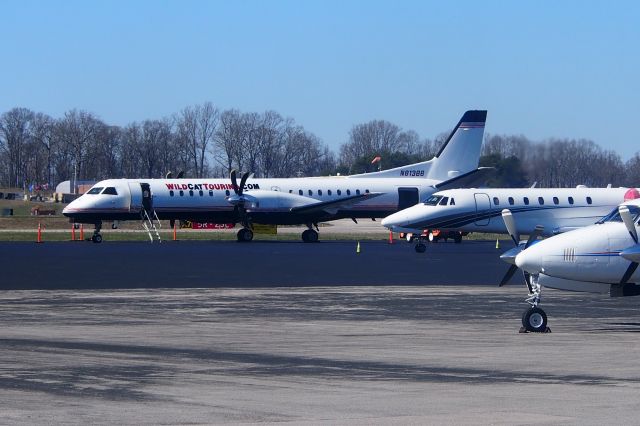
628,222
512,270
169,175
534,236
510,223
180,174
630,270
243,181
234,181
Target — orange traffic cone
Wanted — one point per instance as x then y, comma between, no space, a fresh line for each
175,233
39,240
73,232
81,232
390,237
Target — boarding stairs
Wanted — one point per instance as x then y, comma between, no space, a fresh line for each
149,221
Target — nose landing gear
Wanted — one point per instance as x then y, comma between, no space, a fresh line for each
245,235
534,319
97,237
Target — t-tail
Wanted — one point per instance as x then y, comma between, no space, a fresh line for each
459,155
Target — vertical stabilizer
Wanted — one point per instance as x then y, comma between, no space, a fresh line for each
460,154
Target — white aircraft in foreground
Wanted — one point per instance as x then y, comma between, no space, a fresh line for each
286,201
478,210
600,258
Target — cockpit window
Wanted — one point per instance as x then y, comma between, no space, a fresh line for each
444,201
110,190
433,200
95,190
614,216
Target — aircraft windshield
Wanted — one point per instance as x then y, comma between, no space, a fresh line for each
433,200
95,190
614,216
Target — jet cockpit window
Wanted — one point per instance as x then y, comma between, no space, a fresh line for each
444,201
95,190
110,190
433,200
614,216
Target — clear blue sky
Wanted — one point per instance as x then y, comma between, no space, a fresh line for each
542,69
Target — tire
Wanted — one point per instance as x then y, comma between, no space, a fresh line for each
534,319
245,235
421,248
310,236
97,238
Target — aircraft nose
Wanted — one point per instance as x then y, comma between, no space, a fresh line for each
393,220
530,259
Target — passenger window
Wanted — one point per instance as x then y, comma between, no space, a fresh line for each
339,192
366,191
348,192
444,201
357,192
171,194
526,201
452,202
310,193
191,193
511,201
300,192
110,191
328,192
589,200
210,193
201,193
181,193
496,201
320,192
227,192
95,190
291,191
570,200
555,200
541,201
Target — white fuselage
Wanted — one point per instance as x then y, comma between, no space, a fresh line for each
587,255
479,210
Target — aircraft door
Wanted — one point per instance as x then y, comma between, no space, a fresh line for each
407,197
147,197
483,205
135,202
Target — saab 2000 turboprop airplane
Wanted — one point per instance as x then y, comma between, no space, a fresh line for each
557,210
287,200
600,258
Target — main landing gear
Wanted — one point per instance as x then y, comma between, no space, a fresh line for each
245,235
310,235
534,319
96,237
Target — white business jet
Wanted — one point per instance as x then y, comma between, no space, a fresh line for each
600,258
290,200
478,210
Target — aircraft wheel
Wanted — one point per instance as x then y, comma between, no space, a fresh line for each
310,236
534,319
457,239
245,235
421,248
96,238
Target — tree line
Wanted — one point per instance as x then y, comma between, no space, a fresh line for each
204,141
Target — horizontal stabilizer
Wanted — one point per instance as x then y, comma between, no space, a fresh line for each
334,205
472,179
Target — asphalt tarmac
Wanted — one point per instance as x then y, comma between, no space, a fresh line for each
183,264
316,355
286,332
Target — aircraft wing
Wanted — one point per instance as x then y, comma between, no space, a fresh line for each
471,179
334,205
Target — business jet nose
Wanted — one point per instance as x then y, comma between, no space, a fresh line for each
392,221
531,259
